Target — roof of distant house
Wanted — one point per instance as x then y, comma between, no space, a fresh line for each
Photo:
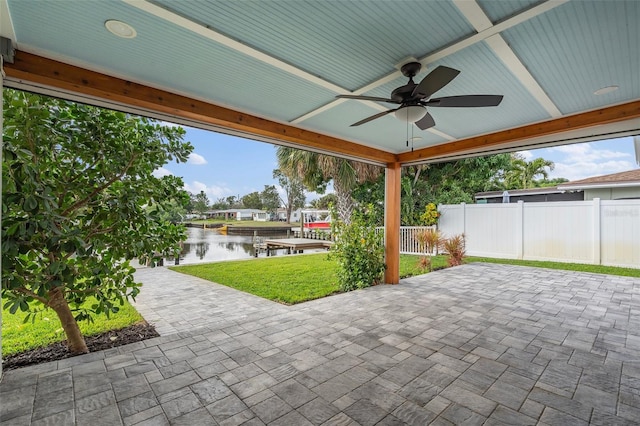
520,192
629,178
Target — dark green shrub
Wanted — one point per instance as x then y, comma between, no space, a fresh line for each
359,252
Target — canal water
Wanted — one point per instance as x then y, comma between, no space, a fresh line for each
208,245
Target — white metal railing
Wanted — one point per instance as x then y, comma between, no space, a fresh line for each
408,238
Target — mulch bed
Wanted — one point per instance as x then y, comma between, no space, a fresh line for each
98,342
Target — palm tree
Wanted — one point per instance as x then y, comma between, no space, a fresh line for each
523,173
316,170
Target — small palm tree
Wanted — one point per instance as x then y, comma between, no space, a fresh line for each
523,173
316,170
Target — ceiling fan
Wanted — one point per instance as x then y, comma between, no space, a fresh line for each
415,98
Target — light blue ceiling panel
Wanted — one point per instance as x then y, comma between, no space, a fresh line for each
387,132
164,55
499,10
481,73
580,47
348,43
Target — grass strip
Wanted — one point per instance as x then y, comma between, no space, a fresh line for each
18,336
578,267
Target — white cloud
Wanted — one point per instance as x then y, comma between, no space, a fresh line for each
169,124
580,161
162,172
586,152
196,159
585,169
527,155
213,192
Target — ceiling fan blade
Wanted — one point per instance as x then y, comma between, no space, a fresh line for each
367,98
426,122
466,101
373,117
435,81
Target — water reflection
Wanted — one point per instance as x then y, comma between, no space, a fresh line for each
206,245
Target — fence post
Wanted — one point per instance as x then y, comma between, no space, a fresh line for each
520,230
597,260
464,218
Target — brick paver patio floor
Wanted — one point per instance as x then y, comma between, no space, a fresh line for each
477,344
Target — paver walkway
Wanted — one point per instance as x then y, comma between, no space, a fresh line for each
477,344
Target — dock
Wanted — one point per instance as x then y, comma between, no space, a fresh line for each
293,245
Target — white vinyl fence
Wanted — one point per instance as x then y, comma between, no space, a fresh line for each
408,238
605,232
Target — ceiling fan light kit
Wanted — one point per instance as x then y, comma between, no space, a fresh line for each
411,113
415,98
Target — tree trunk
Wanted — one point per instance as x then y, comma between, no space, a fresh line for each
344,203
75,340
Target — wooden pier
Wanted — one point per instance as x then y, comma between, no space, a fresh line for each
293,245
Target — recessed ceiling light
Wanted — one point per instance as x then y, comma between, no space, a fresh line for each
605,90
120,28
416,139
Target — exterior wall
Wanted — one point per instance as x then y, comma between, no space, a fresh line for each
612,193
601,232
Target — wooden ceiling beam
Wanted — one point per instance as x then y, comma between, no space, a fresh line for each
44,72
497,140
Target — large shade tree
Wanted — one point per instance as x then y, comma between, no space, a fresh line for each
293,189
449,182
317,170
78,187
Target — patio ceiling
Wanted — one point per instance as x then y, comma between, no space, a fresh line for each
270,70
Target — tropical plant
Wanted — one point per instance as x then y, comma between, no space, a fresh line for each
431,215
316,170
358,250
455,249
522,173
430,241
78,185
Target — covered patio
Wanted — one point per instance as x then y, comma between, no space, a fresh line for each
476,344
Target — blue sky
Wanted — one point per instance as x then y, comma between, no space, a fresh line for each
223,165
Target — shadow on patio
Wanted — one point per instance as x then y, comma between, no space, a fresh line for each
473,344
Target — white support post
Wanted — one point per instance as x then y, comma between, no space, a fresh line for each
597,224
464,219
520,230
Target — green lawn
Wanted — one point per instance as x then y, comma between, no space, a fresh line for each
286,279
18,336
295,279
580,267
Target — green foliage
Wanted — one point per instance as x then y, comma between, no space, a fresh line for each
324,202
358,250
78,201
252,201
315,171
431,215
270,199
201,203
522,173
452,182
22,331
293,188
